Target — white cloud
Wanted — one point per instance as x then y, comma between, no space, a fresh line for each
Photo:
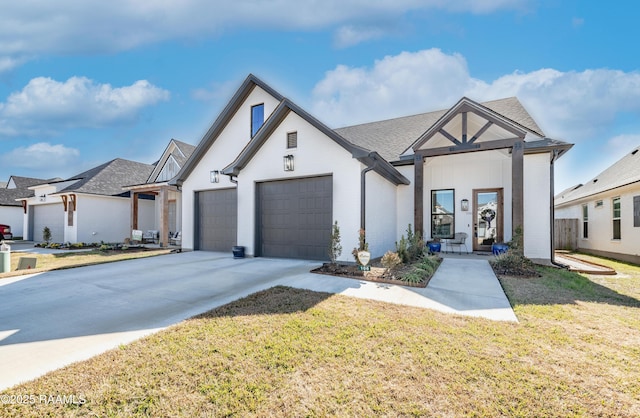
77,102
397,85
567,105
347,36
41,156
32,27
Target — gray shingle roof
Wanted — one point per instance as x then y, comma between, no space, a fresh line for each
24,182
625,171
109,178
391,137
186,149
8,196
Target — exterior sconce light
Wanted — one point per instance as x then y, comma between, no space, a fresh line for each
215,176
464,205
288,163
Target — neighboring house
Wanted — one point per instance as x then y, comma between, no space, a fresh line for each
270,177
608,210
11,210
89,207
167,217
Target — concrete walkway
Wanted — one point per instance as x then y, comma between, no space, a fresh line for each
49,320
460,286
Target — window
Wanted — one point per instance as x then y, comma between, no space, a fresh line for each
292,140
616,218
257,118
636,211
442,213
585,221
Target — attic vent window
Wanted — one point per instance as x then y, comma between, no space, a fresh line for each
595,181
634,152
292,140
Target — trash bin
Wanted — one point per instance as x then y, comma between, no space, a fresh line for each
5,258
238,251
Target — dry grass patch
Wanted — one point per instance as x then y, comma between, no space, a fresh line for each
289,352
48,262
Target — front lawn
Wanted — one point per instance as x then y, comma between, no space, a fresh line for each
289,352
62,260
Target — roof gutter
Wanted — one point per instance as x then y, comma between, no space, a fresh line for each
363,193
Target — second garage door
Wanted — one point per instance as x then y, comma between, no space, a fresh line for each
294,218
51,216
217,214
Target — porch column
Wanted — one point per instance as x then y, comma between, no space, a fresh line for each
134,210
164,217
517,186
418,194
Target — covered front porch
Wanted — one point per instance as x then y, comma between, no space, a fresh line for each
166,218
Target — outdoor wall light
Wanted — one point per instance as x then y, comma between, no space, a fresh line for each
288,162
464,205
215,176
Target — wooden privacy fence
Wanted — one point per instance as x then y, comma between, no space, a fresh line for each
566,234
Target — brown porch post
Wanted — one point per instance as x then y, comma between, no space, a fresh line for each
418,194
134,210
517,186
164,217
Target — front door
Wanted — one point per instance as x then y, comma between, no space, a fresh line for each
487,218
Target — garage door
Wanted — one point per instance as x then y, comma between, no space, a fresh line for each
294,218
52,216
216,215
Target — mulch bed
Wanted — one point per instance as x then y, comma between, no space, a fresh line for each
376,274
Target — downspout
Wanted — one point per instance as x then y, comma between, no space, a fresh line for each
363,193
554,156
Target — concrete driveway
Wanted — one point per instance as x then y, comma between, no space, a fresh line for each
49,320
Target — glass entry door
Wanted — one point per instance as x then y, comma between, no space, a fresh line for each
487,218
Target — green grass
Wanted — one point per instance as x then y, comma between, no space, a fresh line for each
288,352
62,260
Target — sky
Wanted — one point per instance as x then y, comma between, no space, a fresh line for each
83,82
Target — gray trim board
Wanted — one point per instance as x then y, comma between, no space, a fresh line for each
463,106
220,123
285,107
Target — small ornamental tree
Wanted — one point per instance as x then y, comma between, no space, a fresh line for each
46,234
362,244
335,248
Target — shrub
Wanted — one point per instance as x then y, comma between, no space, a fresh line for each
415,249
335,248
411,248
363,245
46,234
423,270
390,261
401,249
514,263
